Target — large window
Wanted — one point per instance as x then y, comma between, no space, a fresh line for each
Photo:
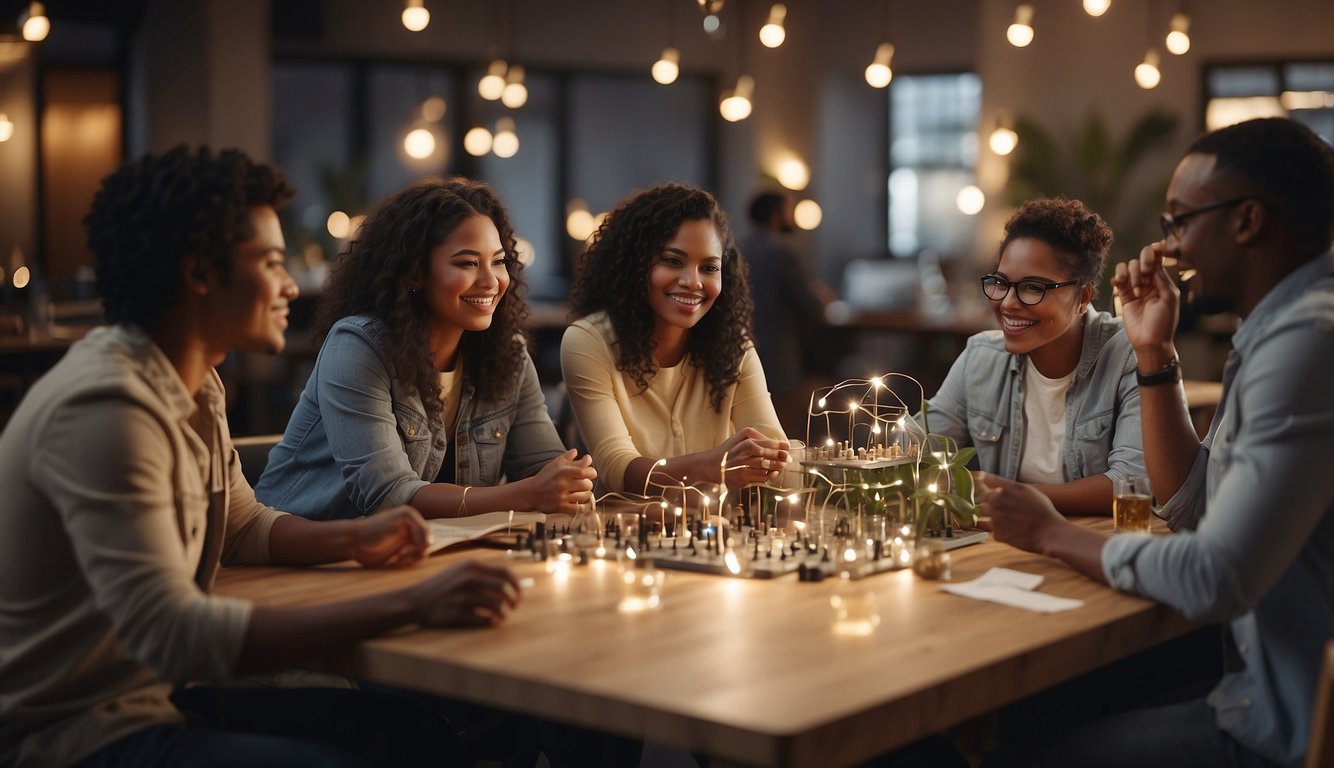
932,154
1301,90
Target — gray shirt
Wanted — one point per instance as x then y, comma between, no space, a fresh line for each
360,437
122,495
1255,519
981,403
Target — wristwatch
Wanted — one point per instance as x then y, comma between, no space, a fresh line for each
1169,375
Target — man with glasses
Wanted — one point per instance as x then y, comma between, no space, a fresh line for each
1251,212
1049,398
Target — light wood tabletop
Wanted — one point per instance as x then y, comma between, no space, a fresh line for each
748,671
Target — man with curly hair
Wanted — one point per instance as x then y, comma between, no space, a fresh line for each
1050,398
1251,209
125,495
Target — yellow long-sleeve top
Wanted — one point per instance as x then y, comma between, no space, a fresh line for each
673,417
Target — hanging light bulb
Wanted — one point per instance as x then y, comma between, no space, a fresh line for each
668,66
415,15
492,84
735,104
506,142
6,127
1178,39
807,214
970,200
419,143
338,224
793,174
1147,75
477,141
713,25
1020,33
34,23
878,72
773,34
1003,139
515,93
711,7
1096,7
433,108
579,223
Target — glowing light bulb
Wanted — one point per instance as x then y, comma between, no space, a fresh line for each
773,34
433,109
1003,140
1147,75
36,25
878,72
668,66
506,142
970,200
492,84
338,224
419,143
477,141
22,276
415,16
1020,33
6,127
735,105
807,215
1096,7
515,93
1178,39
793,174
578,220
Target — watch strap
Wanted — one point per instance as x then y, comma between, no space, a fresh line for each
1169,375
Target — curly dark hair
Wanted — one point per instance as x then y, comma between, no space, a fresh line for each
612,277
1286,165
375,273
148,214
1080,236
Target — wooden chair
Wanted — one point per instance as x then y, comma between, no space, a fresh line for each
254,453
1320,749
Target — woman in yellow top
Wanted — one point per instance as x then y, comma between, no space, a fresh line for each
660,366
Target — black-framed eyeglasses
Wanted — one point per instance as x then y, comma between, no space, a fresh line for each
1029,290
1173,222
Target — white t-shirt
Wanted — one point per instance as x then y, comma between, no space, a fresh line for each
1044,432
451,394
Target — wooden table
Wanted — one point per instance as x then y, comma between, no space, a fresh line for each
748,671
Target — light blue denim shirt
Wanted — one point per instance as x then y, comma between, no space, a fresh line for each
360,438
1255,519
981,404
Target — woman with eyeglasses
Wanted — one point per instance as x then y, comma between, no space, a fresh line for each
1051,398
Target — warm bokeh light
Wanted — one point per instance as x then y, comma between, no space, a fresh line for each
735,104
1020,33
433,109
515,93
970,200
415,16
22,276
807,214
773,34
1178,40
36,25
477,141
492,84
668,66
578,221
506,142
1147,75
524,251
878,72
419,143
338,224
354,225
1096,7
712,24
1003,140
793,174
6,127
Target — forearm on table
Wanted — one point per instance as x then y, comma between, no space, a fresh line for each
448,500
294,540
1076,546
1086,496
278,636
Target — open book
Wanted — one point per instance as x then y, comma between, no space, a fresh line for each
446,532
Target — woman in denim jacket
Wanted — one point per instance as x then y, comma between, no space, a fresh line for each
1050,398
423,389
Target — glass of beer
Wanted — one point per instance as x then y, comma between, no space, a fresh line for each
1132,504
